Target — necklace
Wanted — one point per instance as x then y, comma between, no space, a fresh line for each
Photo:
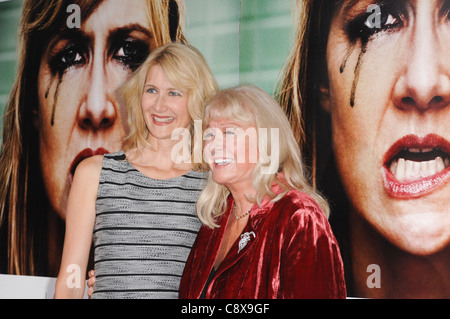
242,216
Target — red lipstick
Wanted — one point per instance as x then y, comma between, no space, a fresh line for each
162,120
414,166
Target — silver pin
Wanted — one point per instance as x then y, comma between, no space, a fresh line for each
245,238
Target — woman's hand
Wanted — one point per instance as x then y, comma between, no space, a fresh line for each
91,282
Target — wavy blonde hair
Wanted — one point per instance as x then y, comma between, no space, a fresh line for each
252,105
187,69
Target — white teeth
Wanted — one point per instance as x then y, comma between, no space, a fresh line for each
400,171
407,171
223,161
431,169
163,119
440,166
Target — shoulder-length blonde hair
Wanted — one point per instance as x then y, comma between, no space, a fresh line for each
252,105
187,69
23,203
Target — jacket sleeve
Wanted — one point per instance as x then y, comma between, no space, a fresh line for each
311,265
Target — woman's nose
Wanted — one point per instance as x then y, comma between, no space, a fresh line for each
425,82
98,110
161,103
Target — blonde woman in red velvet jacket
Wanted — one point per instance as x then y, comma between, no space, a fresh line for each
265,230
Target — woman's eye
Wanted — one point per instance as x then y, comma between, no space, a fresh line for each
378,19
446,10
230,132
174,93
131,52
151,90
70,56
382,22
208,135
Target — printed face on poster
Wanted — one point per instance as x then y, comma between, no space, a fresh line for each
365,84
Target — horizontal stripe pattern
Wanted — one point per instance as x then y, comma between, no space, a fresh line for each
144,230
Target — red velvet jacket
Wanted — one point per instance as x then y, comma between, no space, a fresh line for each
294,254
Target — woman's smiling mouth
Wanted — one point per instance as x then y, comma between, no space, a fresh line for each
414,166
223,161
161,120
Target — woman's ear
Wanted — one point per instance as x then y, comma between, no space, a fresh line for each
325,98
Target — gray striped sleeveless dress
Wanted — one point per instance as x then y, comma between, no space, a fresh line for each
144,230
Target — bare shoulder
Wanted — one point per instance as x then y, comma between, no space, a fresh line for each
89,168
92,163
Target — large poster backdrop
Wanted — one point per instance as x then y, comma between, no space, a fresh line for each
366,88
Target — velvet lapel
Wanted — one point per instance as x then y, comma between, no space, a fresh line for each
214,240
255,222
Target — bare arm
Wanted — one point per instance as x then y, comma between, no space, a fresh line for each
79,229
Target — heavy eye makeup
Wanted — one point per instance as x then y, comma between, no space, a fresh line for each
124,46
128,48
66,53
363,20
393,15
359,21
445,11
71,49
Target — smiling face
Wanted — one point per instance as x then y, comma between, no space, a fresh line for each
231,151
389,95
165,107
79,112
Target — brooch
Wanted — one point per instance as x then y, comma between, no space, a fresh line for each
245,238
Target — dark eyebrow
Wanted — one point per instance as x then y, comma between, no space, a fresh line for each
127,29
348,5
69,34
81,36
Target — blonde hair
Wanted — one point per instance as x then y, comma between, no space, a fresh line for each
23,202
254,106
187,69
166,21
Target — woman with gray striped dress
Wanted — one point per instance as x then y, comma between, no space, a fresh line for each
138,205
